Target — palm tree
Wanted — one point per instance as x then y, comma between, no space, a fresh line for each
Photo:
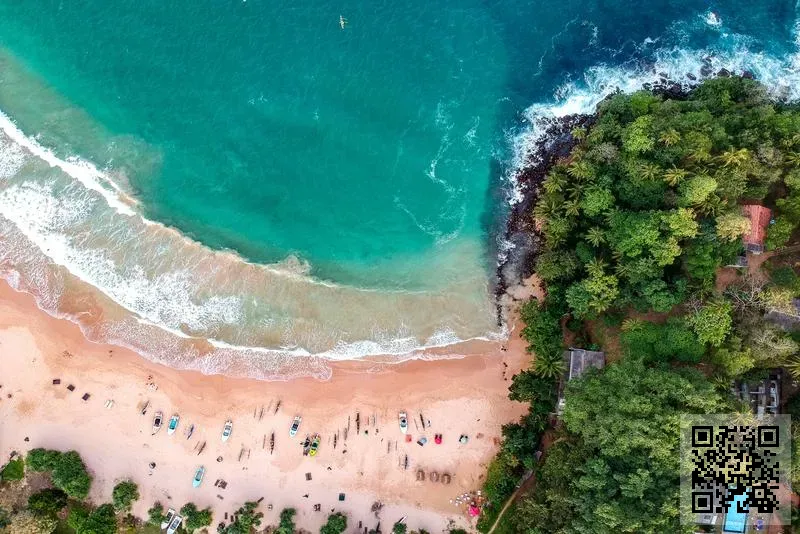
549,366
580,169
793,366
711,206
793,159
649,171
632,325
579,133
575,190
596,267
554,183
674,176
572,208
547,209
595,236
734,158
670,137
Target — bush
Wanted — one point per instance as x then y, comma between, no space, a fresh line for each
399,528
40,460
195,518
101,520
13,470
337,523
47,502
155,515
286,525
247,519
70,475
124,495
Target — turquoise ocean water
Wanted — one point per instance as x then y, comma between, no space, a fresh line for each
255,189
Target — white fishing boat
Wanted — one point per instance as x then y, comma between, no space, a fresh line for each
158,420
175,524
173,424
403,422
295,425
168,518
227,430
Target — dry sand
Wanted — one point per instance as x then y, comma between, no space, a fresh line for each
457,396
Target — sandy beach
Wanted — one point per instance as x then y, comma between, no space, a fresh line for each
452,397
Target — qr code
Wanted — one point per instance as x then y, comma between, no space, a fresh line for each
736,469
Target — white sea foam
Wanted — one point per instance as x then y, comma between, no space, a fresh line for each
86,173
687,67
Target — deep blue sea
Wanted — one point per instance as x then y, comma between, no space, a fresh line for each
283,182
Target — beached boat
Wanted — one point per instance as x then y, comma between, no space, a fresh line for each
168,518
295,425
158,420
198,476
314,445
175,524
227,430
306,446
190,431
173,424
403,422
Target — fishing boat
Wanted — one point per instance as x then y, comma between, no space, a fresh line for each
175,524
403,422
306,446
173,424
158,420
190,431
314,445
295,425
227,430
198,476
168,518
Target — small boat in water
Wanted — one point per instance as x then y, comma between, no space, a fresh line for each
198,476
158,420
175,524
168,519
306,446
227,430
190,432
173,424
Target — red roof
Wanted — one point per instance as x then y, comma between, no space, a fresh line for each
759,220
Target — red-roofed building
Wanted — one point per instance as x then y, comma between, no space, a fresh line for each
759,221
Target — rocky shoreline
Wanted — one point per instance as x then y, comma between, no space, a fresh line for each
521,238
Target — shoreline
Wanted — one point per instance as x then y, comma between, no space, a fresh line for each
38,348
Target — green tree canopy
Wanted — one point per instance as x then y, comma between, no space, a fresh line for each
286,525
194,518
47,502
124,495
336,524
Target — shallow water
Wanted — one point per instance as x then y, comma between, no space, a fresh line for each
253,189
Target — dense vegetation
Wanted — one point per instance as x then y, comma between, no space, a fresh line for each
66,470
636,223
